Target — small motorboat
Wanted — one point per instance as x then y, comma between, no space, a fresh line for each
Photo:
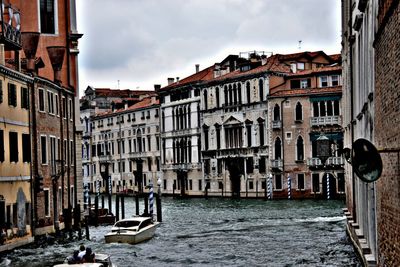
133,230
101,260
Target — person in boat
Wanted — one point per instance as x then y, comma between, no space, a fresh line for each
89,255
82,251
74,258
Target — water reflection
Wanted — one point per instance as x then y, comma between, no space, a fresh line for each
222,232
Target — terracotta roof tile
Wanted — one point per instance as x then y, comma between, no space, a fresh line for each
201,76
318,70
309,91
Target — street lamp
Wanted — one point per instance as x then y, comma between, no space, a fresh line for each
323,153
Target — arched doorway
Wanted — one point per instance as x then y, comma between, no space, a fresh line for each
235,168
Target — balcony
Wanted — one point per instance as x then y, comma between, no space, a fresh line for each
104,158
276,164
327,120
332,161
276,125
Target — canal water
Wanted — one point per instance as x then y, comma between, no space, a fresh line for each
222,232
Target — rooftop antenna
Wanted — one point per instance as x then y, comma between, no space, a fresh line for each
300,44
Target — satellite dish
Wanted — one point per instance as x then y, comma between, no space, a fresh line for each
366,161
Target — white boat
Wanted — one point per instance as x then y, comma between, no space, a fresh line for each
101,260
133,230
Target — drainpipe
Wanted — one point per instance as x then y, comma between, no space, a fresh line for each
30,41
351,42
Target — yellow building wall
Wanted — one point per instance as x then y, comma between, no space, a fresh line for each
13,175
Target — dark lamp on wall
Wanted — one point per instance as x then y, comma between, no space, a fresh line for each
366,161
323,148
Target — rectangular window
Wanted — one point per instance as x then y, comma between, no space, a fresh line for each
46,202
12,95
300,65
149,142
41,99
24,98
26,148
300,181
43,145
306,83
13,146
47,16
70,109
57,103
200,185
278,182
71,152
335,80
323,81
64,102
315,182
261,165
165,184
251,185
50,102
1,145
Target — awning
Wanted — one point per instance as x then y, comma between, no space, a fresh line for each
325,98
331,136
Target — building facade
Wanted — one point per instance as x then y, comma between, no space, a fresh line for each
180,134
370,59
15,159
125,148
304,106
235,149
103,102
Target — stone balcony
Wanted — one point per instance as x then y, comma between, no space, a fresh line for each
276,125
327,120
332,161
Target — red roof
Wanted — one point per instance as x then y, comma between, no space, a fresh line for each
145,103
107,92
201,76
309,91
318,70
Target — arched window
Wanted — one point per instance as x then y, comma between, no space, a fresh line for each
205,100
217,96
261,89
248,92
278,148
299,112
189,117
316,109
261,130
300,148
190,151
277,113
205,130
230,95
139,140
181,126
240,93
163,119
173,150
226,95
235,99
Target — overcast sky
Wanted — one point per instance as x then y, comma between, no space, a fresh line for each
143,42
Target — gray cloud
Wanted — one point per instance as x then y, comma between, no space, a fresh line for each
142,42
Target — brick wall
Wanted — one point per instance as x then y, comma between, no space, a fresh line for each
387,135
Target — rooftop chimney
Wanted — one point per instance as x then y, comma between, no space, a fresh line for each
197,67
170,81
30,42
56,55
177,79
157,87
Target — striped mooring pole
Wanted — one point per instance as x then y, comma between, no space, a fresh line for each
151,200
327,186
289,186
269,186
